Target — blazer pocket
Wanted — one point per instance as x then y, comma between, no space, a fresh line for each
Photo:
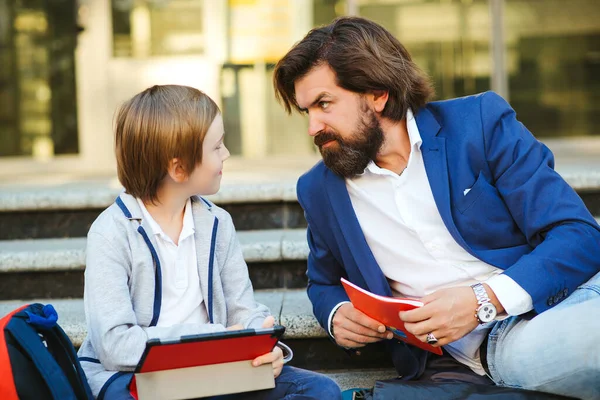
465,202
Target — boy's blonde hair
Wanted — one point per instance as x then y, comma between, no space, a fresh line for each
155,126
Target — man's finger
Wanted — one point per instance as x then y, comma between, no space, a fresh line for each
420,328
349,343
361,330
361,339
360,318
418,314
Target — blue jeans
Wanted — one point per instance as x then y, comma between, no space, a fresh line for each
557,351
291,384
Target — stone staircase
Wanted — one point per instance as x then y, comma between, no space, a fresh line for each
42,257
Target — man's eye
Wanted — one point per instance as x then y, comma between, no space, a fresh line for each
323,104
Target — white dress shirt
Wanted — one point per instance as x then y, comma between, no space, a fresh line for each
182,301
415,251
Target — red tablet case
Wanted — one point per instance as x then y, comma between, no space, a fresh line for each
206,349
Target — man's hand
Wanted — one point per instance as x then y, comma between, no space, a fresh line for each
352,328
449,314
275,357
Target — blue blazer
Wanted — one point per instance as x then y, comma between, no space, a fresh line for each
519,215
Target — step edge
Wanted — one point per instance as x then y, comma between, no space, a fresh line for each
278,245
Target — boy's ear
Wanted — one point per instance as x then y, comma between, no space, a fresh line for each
177,171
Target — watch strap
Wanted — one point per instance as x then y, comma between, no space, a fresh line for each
480,293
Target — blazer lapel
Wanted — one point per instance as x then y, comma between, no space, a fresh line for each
364,260
436,166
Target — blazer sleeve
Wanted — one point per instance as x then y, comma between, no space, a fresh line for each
553,218
325,290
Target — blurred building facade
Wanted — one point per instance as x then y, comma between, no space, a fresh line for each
66,65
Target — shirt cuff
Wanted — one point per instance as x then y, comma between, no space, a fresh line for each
288,354
331,316
510,294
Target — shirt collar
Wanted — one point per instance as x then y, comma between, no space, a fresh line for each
188,228
413,131
415,142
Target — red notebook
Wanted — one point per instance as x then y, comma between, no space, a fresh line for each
385,310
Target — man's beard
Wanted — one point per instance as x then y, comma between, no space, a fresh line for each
351,156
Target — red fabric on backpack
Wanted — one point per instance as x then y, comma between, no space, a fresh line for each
8,391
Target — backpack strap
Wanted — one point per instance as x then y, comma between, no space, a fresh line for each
67,359
8,391
29,340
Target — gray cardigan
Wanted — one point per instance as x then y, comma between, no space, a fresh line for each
122,292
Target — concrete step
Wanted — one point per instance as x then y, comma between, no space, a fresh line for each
61,210
69,253
74,222
54,267
291,308
68,209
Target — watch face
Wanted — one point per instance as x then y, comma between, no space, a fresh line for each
486,313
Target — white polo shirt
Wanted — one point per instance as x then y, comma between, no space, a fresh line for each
182,301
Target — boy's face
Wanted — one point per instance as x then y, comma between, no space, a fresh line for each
206,177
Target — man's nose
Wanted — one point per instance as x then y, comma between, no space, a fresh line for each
315,126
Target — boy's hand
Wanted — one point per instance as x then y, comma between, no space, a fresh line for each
269,322
275,357
237,327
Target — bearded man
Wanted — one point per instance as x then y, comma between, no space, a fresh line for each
451,202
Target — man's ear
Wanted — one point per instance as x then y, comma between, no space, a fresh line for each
177,171
379,100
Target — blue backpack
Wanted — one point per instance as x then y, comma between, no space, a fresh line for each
37,359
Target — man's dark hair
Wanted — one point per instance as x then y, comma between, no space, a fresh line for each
365,57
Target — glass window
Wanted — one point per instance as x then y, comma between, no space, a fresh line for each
146,28
325,11
37,78
9,131
255,123
554,65
449,39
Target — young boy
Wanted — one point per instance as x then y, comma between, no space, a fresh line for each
163,262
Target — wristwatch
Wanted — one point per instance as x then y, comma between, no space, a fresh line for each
486,311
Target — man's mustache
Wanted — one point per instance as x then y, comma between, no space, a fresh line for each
324,137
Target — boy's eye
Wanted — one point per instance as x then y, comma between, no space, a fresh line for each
324,104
